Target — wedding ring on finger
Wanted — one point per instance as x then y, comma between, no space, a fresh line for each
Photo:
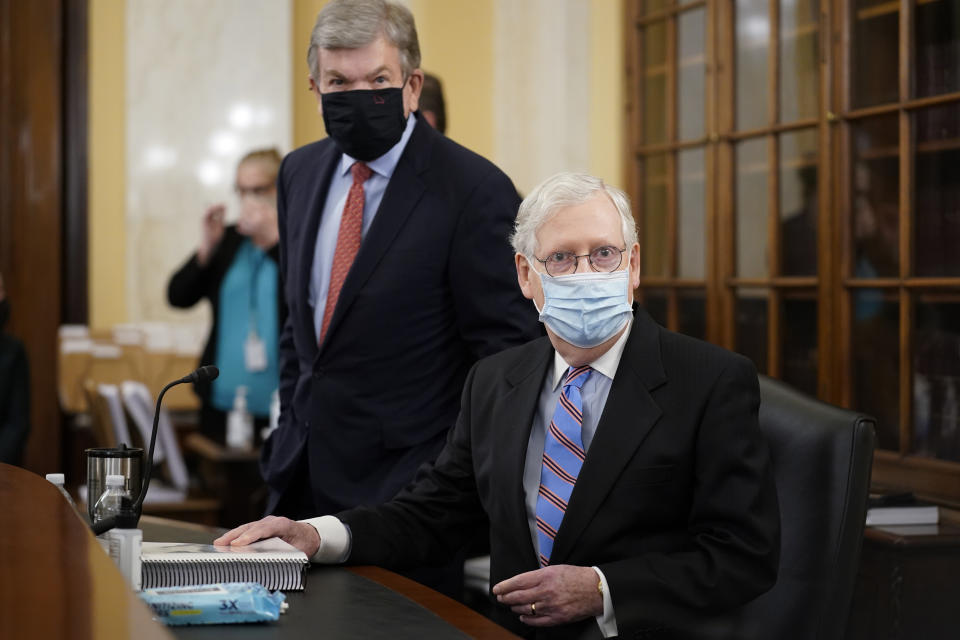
533,609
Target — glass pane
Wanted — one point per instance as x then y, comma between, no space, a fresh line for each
798,203
692,307
751,209
938,47
798,346
691,71
655,303
875,195
936,216
752,326
653,229
652,6
799,59
936,379
753,38
691,223
875,347
654,39
874,48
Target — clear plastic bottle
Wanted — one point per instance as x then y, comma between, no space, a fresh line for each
109,502
240,422
56,479
274,415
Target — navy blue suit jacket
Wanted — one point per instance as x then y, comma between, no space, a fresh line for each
432,289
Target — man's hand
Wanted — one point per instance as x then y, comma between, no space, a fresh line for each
559,594
212,232
299,534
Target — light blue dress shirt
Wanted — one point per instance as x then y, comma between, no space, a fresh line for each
340,182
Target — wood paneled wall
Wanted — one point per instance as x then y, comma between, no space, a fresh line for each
31,197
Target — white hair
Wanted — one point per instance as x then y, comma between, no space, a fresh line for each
352,24
565,189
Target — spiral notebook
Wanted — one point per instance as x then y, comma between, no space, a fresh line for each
273,563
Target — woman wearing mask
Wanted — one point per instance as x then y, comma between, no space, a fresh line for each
235,268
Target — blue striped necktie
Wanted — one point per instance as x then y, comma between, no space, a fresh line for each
563,456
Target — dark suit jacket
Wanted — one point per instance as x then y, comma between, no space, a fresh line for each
675,502
14,399
191,283
432,289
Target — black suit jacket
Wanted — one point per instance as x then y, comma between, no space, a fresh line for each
432,289
675,501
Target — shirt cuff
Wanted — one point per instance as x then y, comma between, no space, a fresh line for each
607,621
334,540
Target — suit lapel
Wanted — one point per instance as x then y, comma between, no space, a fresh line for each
324,168
513,420
628,416
403,192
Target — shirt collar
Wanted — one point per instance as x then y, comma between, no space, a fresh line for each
606,364
385,164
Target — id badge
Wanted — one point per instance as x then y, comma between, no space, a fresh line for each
255,353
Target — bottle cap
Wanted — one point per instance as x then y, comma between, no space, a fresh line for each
115,480
55,478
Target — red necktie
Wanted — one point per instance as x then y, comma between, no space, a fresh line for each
348,241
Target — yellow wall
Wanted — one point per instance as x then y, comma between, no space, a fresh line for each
307,124
607,119
107,163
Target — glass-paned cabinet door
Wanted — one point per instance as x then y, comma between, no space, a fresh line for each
798,339
751,208
692,312
653,38
936,215
874,52
937,42
798,203
936,376
752,38
752,325
654,217
875,360
799,59
691,214
874,197
691,74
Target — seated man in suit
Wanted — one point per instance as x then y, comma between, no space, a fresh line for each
626,481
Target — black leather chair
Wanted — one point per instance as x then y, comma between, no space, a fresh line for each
822,456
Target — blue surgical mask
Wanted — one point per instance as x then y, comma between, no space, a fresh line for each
586,309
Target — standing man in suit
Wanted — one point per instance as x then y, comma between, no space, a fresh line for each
395,264
627,484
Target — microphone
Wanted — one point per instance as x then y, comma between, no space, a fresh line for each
130,511
203,374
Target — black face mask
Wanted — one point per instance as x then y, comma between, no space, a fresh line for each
364,123
4,313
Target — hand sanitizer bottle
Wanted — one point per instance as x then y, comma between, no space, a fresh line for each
240,422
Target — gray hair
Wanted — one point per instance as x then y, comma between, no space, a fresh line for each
351,24
565,190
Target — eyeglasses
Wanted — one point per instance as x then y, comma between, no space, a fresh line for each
603,259
256,190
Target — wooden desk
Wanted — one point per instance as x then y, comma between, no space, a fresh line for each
354,602
56,582
908,585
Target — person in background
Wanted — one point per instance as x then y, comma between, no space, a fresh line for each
432,106
14,390
235,268
397,274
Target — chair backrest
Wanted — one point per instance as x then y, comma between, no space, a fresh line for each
139,403
822,457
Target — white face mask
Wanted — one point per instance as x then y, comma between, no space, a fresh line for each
586,309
